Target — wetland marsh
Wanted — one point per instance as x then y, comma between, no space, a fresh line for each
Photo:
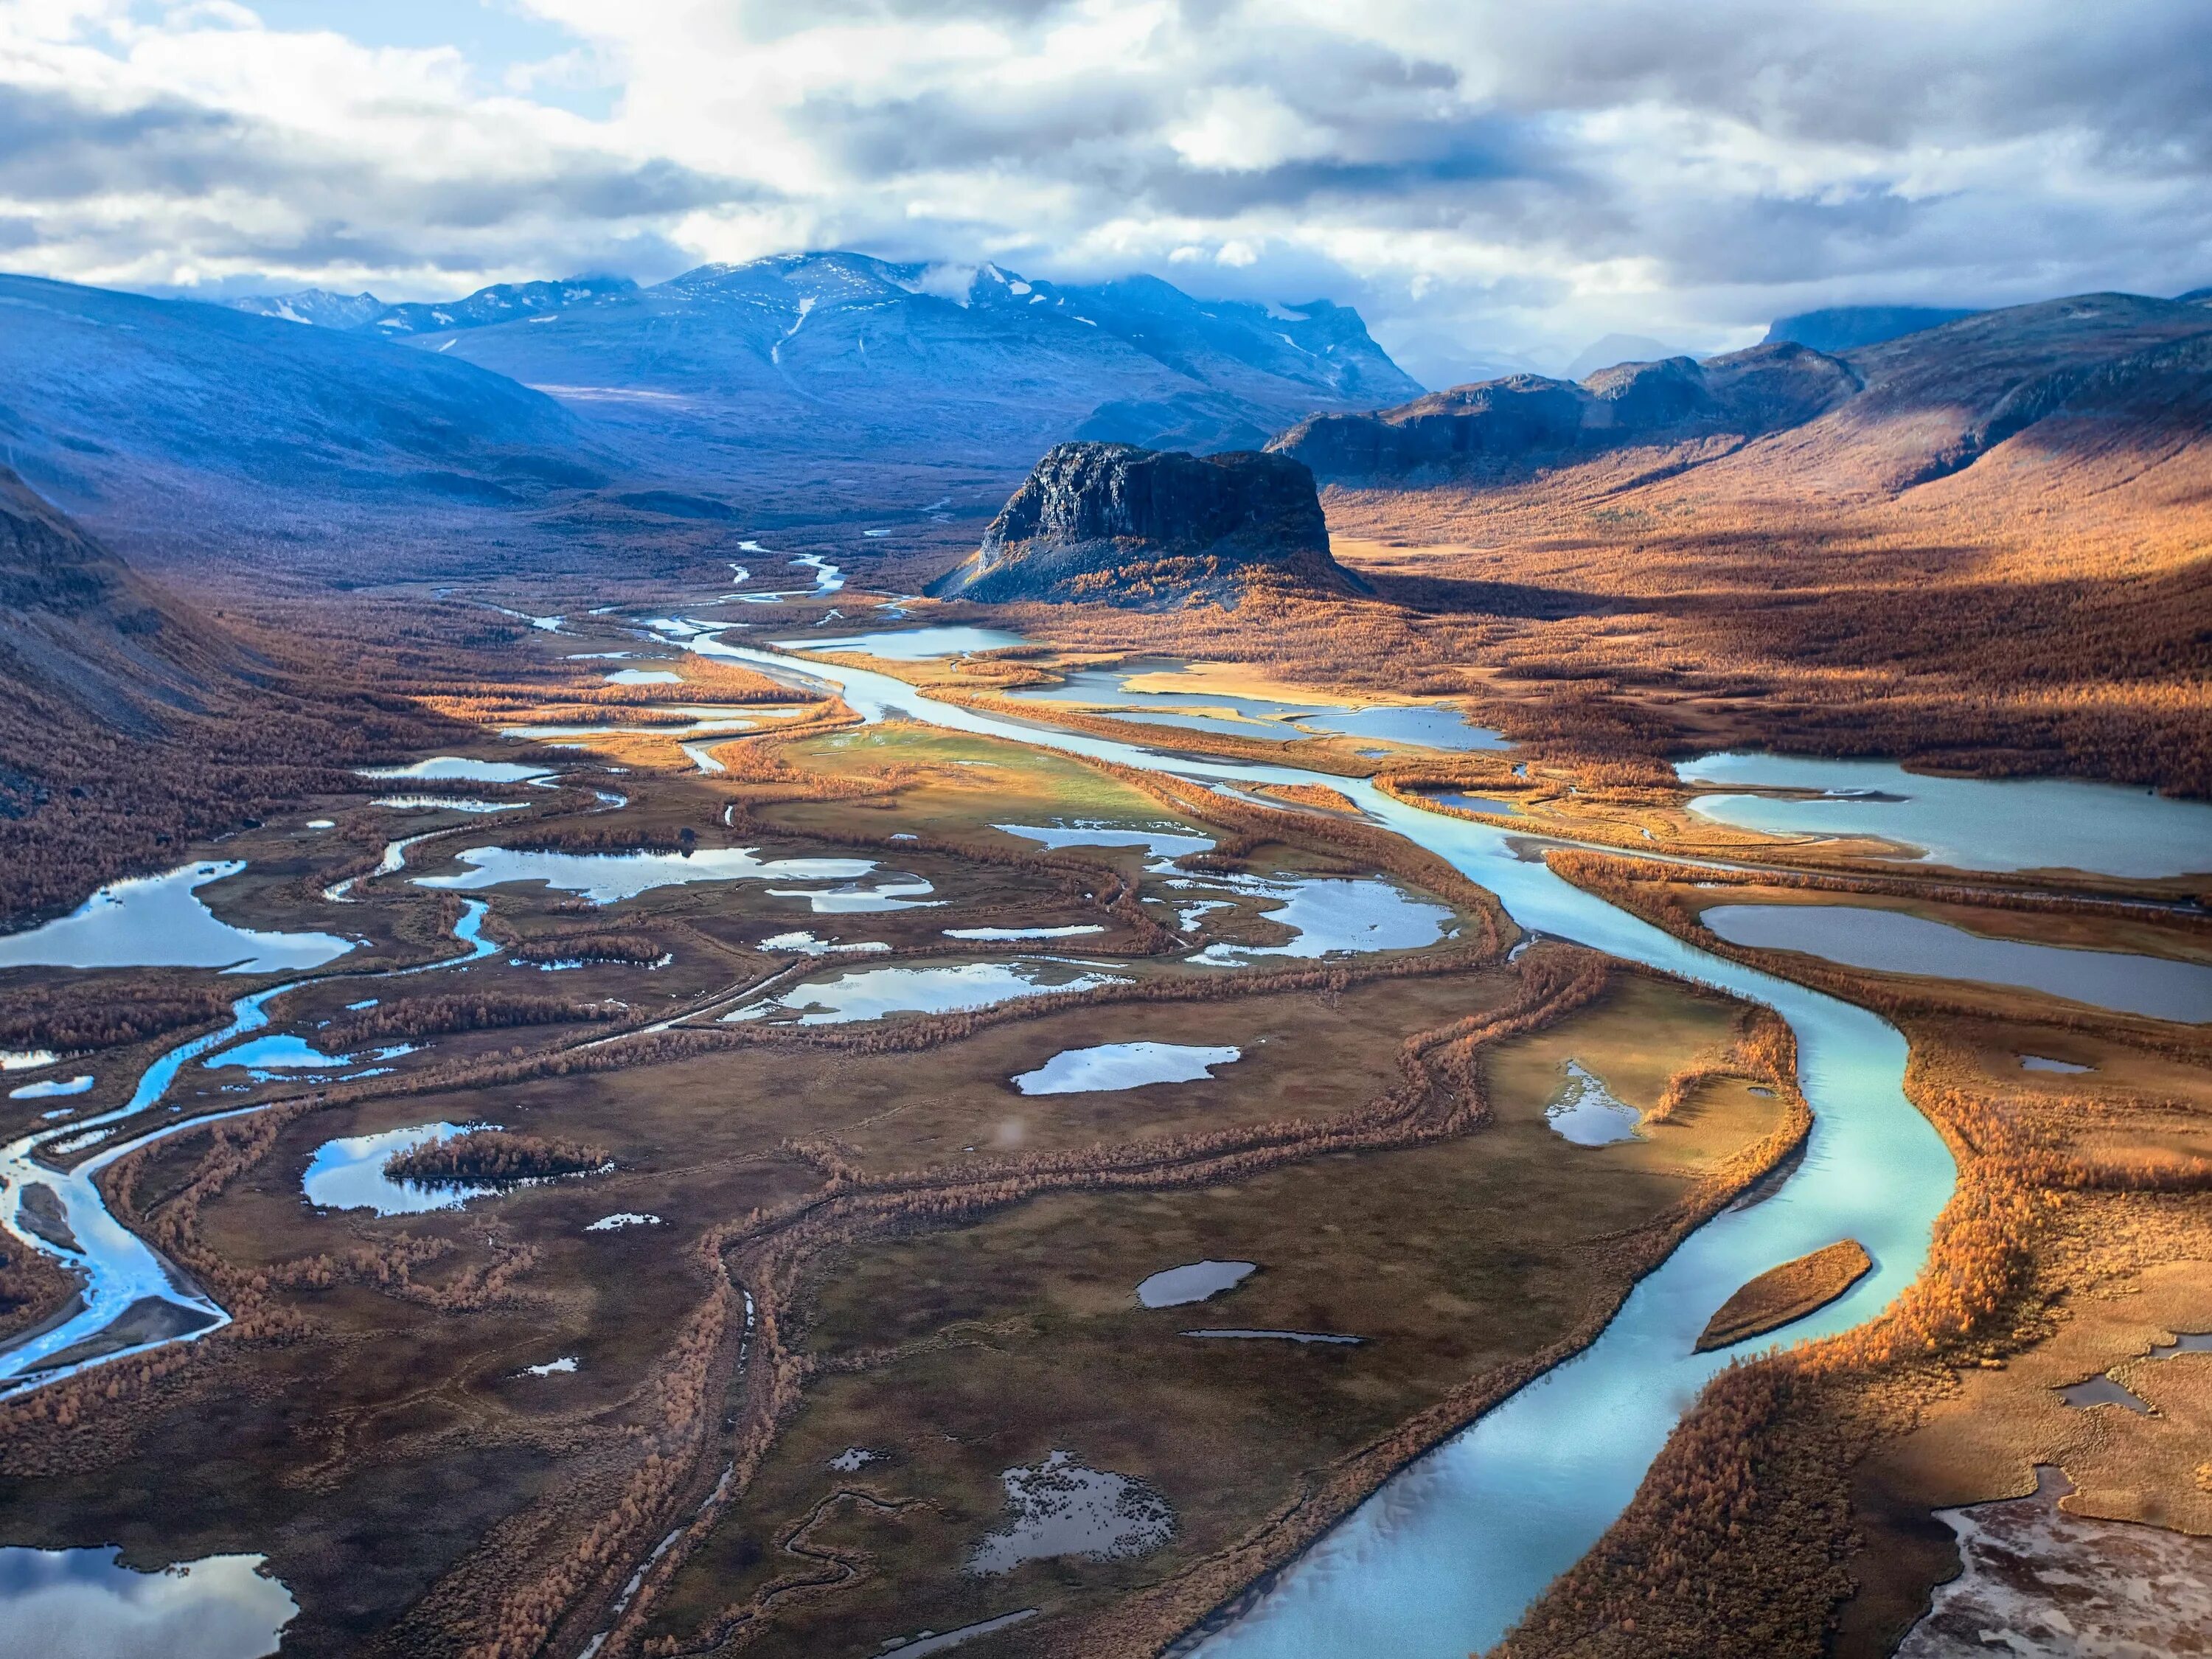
1467,1397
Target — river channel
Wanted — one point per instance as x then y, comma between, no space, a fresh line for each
1442,1559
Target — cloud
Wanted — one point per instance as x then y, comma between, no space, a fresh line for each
1484,179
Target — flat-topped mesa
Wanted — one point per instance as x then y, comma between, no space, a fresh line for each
1119,525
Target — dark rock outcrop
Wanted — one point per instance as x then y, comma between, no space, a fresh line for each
1125,526
1527,420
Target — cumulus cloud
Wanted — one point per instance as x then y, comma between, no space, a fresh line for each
1488,181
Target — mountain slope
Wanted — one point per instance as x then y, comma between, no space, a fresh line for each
1503,428
1995,554
817,352
169,425
1875,421
1936,400
131,725
82,638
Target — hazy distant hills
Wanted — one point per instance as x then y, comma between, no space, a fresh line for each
80,636
1876,419
808,350
171,425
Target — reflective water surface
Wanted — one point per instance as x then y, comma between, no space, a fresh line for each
1892,941
608,877
1448,1553
86,1604
1113,1066
1970,823
160,921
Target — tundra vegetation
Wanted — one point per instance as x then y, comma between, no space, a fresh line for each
870,1242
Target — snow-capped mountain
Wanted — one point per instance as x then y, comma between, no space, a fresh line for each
827,350
318,306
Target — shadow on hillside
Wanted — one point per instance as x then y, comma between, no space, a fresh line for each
1452,596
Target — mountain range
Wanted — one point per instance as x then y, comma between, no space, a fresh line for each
789,352
176,430
542,422
590,422
1876,419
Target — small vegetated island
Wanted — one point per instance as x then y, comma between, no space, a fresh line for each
1783,1295
495,1156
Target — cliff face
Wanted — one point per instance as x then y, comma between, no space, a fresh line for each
1124,525
1527,420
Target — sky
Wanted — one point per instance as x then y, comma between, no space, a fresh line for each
1492,185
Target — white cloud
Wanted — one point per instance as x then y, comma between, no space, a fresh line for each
1244,129
1509,176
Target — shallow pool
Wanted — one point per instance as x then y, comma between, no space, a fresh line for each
160,921
1334,916
1195,1281
54,1088
458,766
1587,1113
1164,845
1970,823
1113,1066
86,1604
915,644
348,1174
608,877
1424,725
873,992
1893,942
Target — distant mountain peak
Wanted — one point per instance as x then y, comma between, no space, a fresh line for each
317,306
975,362
1615,350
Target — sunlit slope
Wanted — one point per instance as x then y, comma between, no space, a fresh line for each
2002,544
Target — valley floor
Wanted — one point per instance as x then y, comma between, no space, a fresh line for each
840,1336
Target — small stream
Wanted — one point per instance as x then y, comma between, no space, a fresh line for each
132,1298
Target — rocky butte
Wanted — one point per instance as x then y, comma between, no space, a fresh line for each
1147,527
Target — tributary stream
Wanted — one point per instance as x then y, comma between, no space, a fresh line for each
131,1298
